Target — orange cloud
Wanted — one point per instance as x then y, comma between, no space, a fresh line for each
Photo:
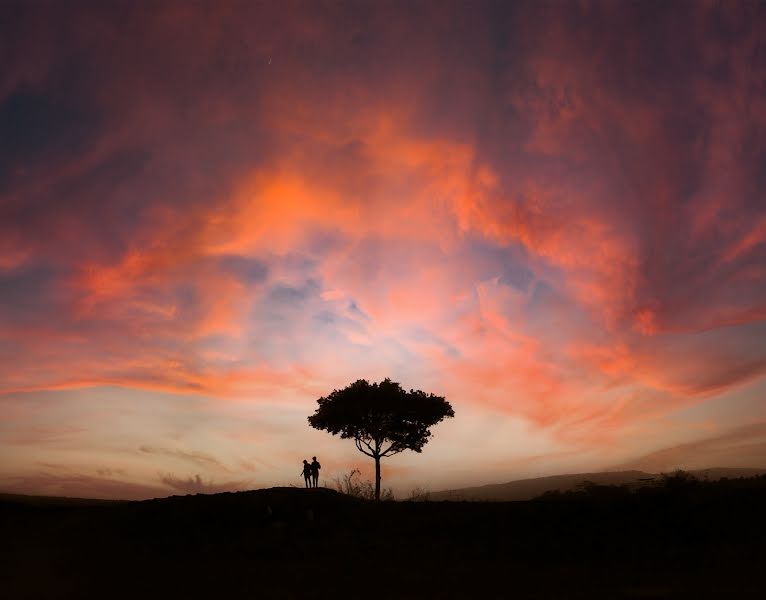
262,203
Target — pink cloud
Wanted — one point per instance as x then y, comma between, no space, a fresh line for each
551,214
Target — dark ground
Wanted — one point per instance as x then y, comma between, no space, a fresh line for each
683,540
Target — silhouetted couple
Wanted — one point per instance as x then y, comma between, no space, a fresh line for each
311,472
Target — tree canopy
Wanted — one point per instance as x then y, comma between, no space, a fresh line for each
382,418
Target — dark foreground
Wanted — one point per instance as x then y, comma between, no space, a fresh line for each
686,541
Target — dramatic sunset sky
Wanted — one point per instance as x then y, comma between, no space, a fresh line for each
213,213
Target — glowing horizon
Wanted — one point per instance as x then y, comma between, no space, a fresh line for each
212,215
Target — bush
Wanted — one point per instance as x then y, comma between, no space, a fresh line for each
419,494
351,485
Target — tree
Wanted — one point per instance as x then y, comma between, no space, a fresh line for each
382,418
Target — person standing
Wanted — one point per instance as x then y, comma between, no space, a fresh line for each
315,466
307,473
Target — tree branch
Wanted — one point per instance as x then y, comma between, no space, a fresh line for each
359,447
392,450
368,446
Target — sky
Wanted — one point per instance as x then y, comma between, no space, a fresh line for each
214,213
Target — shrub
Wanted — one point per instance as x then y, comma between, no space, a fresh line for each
351,485
419,494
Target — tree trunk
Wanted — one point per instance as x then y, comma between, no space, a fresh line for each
377,477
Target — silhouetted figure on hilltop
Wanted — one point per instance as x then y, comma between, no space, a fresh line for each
315,466
307,473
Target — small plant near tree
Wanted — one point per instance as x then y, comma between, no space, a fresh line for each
419,494
351,485
382,418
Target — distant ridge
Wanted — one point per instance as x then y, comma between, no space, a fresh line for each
520,489
526,489
57,500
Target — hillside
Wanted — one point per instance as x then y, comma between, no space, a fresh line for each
527,489
688,540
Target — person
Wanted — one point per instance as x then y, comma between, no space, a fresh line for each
315,466
307,472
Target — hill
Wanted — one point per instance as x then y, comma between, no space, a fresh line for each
56,500
527,489
691,539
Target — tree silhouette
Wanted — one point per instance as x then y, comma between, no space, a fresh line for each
382,418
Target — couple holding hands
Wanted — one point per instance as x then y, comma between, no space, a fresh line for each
311,472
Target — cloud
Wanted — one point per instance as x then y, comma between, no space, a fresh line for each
109,472
195,485
201,459
550,212
741,447
37,435
68,483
